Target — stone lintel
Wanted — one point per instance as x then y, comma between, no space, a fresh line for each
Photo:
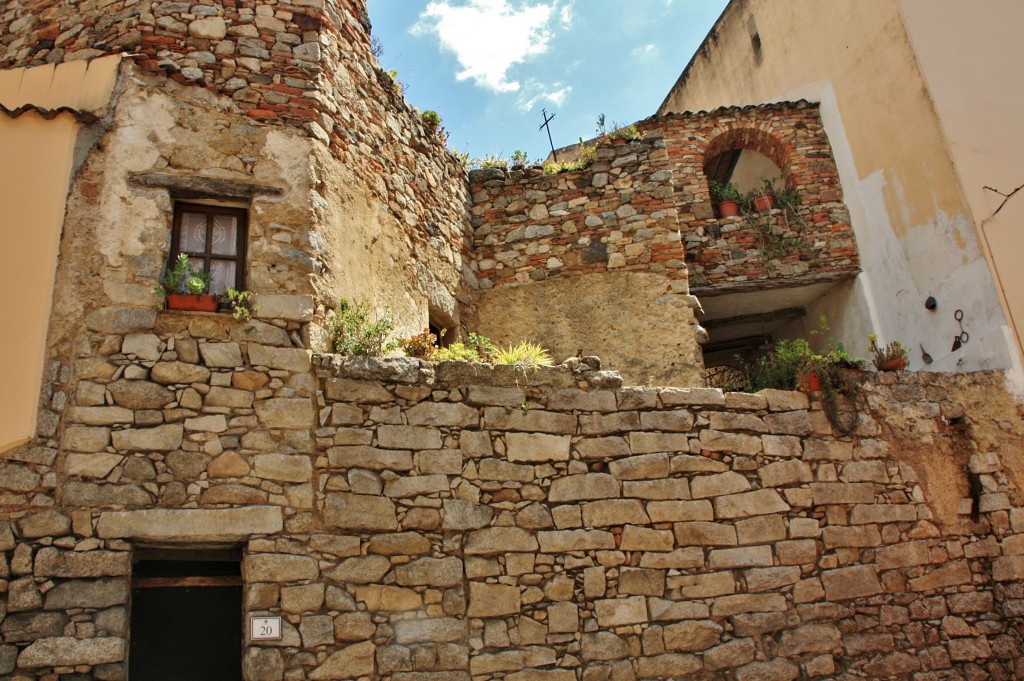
199,187
229,524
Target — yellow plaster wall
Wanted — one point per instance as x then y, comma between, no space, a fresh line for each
35,169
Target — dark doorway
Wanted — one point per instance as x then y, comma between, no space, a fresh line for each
186,620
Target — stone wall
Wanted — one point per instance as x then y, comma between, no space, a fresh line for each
434,522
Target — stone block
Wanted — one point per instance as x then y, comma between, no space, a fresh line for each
496,469
864,514
530,420
295,308
761,530
537,447
389,598
650,443
408,437
728,421
359,456
692,636
837,536
304,598
785,473
951,574
746,504
782,446
162,438
465,515
360,512
903,555
771,578
607,424
842,493
1008,568
789,423
734,653
360,392
614,512
735,604
643,467
666,489
84,439
360,570
283,467
704,534
286,412
51,562
18,478
778,669
499,540
563,541
809,639
584,486
601,447
493,600
435,572
704,486
641,582
279,567
680,511
677,421
582,400
785,400
101,416
444,414
416,485
93,593
616,612
65,651
563,618
684,397
228,397
211,423
707,585
140,394
745,557
636,538
680,559
348,663
218,355
797,551
827,450
858,581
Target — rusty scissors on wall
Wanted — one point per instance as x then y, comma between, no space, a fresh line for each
962,337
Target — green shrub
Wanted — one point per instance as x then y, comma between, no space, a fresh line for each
526,354
356,331
422,345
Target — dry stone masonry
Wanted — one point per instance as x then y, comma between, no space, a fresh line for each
419,522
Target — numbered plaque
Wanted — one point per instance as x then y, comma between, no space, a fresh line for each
265,628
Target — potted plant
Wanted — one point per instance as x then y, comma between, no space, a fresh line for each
239,303
890,357
186,288
762,200
726,198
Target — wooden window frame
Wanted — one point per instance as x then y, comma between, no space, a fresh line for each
242,237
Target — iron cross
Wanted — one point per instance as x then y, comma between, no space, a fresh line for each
546,124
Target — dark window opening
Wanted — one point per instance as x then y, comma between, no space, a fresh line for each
186,619
214,238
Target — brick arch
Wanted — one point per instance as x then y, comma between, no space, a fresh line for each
753,138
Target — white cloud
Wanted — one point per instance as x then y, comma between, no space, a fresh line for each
555,93
644,51
489,37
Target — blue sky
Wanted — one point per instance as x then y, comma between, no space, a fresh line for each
488,67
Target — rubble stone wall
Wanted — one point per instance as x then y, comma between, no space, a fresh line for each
418,522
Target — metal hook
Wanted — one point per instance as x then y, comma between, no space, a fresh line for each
962,337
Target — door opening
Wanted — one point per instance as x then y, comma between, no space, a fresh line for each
186,620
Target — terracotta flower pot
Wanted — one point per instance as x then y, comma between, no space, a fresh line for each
728,209
809,382
193,303
764,203
892,364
